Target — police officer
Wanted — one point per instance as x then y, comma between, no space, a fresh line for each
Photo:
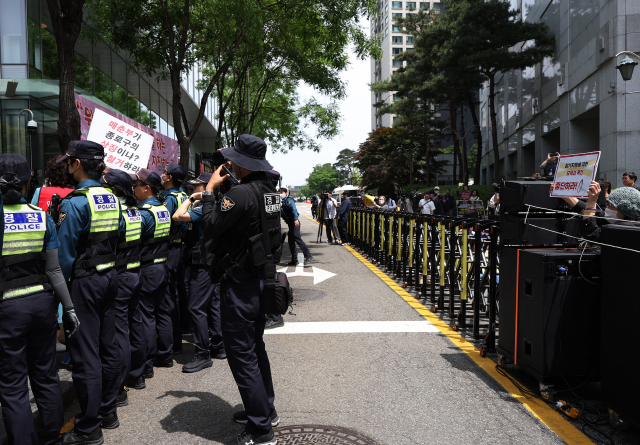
154,306
204,296
127,266
172,197
29,270
88,227
230,224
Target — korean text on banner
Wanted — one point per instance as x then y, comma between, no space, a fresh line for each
574,175
125,147
164,150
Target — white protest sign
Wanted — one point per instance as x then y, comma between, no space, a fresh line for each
574,174
126,147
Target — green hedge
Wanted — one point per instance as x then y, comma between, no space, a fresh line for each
484,191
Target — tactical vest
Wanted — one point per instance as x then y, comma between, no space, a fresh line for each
23,259
128,251
196,248
177,230
154,250
242,258
96,250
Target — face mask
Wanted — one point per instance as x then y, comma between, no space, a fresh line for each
70,177
612,216
283,195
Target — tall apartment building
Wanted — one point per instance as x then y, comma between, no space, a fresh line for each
393,42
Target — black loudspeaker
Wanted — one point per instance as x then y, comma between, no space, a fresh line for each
549,313
514,231
620,302
515,195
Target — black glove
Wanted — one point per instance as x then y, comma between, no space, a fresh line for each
70,323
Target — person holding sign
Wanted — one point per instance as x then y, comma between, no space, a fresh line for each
172,198
89,225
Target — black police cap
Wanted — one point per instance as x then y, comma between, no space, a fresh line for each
117,179
175,171
150,178
84,150
15,164
204,178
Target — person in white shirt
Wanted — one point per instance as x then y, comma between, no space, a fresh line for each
426,205
330,208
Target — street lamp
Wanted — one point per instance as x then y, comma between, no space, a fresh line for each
627,65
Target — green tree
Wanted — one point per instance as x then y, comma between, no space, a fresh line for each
322,178
345,163
483,35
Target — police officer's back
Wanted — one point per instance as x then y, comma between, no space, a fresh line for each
28,271
234,226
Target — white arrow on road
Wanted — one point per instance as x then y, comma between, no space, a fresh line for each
319,275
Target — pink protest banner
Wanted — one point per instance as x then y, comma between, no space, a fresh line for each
164,149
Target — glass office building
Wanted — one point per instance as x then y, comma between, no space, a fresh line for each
28,56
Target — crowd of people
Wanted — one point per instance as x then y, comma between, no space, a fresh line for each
117,256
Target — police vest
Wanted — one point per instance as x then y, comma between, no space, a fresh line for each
96,250
156,249
177,229
128,251
23,259
196,248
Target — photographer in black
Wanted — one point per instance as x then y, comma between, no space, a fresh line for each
234,227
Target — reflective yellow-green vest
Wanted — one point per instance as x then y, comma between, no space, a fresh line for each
105,218
23,262
155,249
128,251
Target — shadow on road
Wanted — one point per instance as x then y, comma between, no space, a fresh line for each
208,417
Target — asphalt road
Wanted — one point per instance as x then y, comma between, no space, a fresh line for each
396,387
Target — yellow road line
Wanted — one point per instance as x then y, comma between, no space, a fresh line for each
549,416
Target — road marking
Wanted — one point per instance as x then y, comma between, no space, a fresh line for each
547,415
353,327
319,275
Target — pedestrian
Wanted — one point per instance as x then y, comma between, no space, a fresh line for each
204,296
89,226
56,182
292,218
426,205
27,328
329,217
128,269
449,203
550,164
465,195
172,197
493,205
629,180
155,306
408,204
230,225
472,212
416,197
342,215
474,196
391,203
314,207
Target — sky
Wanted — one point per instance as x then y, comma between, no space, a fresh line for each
296,165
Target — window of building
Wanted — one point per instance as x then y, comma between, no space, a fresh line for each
396,5
386,8
410,49
386,31
396,39
410,40
396,50
13,32
411,5
424,5
396,29
397,63
386,20
436,6
397,15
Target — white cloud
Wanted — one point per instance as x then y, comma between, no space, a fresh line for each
296,165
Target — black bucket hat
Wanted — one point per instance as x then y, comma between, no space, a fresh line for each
15,164
118,179
249,152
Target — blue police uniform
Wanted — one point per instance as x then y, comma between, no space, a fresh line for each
28,332
343,213
174,267
94,353
154,306
204,296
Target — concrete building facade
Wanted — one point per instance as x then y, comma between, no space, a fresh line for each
575,101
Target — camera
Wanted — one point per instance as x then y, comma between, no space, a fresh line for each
217,158
32,127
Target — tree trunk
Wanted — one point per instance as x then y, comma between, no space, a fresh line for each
494,128
427,157
474,116
465,159
67,23
453,123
